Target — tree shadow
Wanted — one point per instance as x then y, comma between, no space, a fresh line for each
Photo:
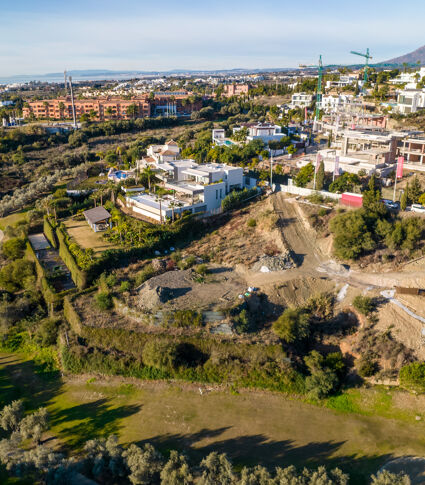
25,380
251,450
90,420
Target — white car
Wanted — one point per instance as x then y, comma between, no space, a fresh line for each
417,208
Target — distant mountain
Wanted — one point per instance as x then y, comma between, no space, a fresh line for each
411,58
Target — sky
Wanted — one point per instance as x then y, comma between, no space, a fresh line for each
45,36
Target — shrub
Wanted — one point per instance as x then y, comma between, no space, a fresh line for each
47,332
251,223
160,354
412,376
17,274
125,286
367,367
292,325
363,304
104,300
236,198
201,269
14,248
187,263
146,273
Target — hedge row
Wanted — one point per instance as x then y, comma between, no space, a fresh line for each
49,232
78,275
49,293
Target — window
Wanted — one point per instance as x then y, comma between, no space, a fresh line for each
216,194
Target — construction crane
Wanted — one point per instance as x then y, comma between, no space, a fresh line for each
319,86
367,56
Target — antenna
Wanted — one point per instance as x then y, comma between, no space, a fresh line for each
72,101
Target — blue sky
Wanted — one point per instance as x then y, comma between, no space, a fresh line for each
41,36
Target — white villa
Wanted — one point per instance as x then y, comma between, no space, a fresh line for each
261,131
195,187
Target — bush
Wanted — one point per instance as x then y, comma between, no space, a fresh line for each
367,367
14,248
412,376
201,269
104,301
292,325
363,304
187,263
160,354
125,286
236,198
17,275
145,274
47,332
251,223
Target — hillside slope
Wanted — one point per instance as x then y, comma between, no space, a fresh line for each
411,58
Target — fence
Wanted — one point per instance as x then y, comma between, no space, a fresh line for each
293,189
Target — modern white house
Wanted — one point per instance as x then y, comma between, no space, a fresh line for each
332,103
197,188
410,101
301,100
409,77
219,137
343,81
261,131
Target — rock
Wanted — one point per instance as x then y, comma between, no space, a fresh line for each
159,265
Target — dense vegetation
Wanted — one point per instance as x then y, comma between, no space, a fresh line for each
359,232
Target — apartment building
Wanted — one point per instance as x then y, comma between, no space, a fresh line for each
230,90
114,108
301,100
97,109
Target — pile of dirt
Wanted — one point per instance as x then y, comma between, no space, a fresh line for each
274,263
185,289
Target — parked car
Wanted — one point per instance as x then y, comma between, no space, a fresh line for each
417,208
391,204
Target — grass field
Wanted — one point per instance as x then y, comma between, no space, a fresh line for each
252,427
12,219
85,237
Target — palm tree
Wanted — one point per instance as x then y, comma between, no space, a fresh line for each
119,151
61,109
46,107
93,196
148,172
133,110
109,111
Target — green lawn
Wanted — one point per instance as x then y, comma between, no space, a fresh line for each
12,219
250,426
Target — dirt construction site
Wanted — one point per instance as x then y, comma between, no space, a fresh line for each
287,260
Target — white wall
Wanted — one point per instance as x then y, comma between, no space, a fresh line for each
212,196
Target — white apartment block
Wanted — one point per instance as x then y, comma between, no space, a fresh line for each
301,100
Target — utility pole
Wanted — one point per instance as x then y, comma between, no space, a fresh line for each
72,102
271,170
